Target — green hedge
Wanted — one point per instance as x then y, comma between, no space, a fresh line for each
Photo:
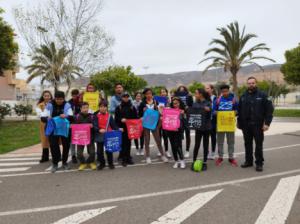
287,113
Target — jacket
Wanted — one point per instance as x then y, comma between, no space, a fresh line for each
127,111
98,136
225,103
185,97
207,115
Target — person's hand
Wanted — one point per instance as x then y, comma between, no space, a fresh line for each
62,116
265,127
102,131
123,120
141,119
182,111
145,108
207,109
121,129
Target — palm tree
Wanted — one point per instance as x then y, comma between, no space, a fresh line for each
51,65
230,51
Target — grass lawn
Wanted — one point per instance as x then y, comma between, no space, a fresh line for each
287,113
18,134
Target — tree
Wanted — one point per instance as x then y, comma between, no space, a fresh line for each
156,89
73,24
107,79
291,68
230,52
51,65
8,48
195,85
23,110
5,110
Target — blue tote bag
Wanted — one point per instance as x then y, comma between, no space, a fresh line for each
150,119
113,141
62,126
49,127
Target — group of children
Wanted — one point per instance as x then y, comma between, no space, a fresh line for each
76,111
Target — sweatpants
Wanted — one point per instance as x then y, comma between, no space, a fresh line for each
253,132
157,140
164,136
176,144
126,148
55,149
91,153
100,154
198,137
230,136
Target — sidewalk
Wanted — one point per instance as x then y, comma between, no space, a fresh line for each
34,150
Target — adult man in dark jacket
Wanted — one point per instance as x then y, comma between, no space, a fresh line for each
255,114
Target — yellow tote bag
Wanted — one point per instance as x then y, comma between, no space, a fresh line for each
93,99
226,121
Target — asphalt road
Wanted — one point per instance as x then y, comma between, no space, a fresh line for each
157,193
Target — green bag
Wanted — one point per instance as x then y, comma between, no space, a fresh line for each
197,165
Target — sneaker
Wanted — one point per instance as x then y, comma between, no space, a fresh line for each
176,165
168,154
65,166
164,159
211,156
142,152
54,168
93,166
187,154
148,160
219,161
74,159
130,162
182,164
259,168
204,167
233,162
246,165
124,163
138,153
100,166
111,166
159,154
82,167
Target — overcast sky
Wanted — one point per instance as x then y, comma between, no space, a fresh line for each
171,35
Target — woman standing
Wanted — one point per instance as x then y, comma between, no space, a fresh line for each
136,103
40,110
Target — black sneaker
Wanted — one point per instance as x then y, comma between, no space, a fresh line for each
111,166
130,162
74,159
65,166
259,168
246,165
100,167
54,168
124,163
204,167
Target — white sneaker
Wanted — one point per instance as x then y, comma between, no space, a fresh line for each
182,164
176,164
142,152
168,154
148,160
158,154
138,152
211,156
164,159
187,154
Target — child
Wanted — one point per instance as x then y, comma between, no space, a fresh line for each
176,136
123,112
226,102
104,122
202,103
58,107
136,103
85,118
150,103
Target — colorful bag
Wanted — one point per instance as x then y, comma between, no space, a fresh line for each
134,128
113,141
171,119
162,100
49,127
62,126
226,121
81,134
196,119
150,119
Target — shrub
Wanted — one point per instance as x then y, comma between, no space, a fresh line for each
5,110
23,110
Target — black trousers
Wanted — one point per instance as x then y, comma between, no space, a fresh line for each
164,135
253,132
176,144
100,154
213,137
126,147
187,132
141,141
55,149
198,138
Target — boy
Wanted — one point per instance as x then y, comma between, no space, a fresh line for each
58,108
103,122
226,102
85,118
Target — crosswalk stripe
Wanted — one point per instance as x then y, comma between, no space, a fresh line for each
187,208
18,164
20,159
280,203
18,169
83,216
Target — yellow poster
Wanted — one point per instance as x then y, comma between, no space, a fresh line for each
93,99
226,121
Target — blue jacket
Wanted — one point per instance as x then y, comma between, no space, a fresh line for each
226,104
114,102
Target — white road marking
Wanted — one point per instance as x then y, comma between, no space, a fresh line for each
20,159
18,169
187,208
280,203
19,164
148,195
83,216
17,155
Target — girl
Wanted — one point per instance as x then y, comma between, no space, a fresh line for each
149,103
176,136
40,109
202,103
136,104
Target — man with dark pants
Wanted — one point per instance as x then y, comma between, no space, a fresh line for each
255,114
